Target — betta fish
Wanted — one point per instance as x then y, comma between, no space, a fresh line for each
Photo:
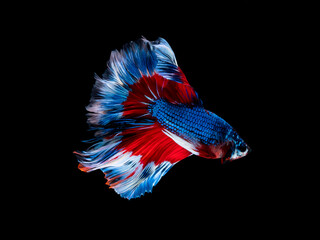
147,118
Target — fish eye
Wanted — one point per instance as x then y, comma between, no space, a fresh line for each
242,147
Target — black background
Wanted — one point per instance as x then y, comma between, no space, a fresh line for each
226,54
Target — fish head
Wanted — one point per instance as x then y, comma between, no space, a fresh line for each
236,147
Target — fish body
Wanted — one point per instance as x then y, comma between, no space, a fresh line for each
147,118
193,122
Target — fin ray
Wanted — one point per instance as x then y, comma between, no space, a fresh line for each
133,150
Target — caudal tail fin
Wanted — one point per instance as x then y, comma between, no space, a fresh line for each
133,149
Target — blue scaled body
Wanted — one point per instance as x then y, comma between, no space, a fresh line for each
193,122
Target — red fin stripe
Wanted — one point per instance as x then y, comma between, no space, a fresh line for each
152,144
155,87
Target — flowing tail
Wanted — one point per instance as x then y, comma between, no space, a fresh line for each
133,149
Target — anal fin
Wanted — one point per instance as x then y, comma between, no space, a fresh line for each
144,156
